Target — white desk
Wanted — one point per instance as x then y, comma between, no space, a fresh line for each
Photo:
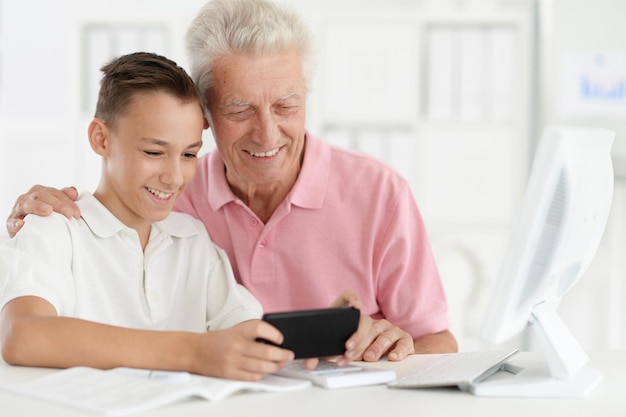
608,400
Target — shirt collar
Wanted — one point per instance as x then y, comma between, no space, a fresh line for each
310,187
308,191
104,224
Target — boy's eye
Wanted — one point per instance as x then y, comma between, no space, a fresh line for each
190,155
152,153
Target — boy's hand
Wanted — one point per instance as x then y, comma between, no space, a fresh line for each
235,352
42,201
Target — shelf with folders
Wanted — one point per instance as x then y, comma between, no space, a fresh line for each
422,91
445,99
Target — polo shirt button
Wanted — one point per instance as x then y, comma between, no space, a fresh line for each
154,296
262,243
254,221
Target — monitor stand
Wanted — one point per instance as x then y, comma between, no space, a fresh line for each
562,374
532,378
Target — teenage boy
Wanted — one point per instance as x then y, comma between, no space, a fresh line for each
130,283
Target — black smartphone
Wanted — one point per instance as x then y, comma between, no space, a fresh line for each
315,333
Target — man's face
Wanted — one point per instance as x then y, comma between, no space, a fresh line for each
150,157
257,111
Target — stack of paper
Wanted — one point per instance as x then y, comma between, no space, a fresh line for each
124,391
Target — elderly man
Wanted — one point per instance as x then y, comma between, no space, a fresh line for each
305,224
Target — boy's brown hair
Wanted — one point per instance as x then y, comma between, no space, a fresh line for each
141,72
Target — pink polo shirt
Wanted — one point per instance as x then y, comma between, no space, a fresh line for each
350,222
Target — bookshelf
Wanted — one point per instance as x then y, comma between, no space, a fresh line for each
442,94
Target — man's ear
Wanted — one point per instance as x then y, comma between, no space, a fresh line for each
98,133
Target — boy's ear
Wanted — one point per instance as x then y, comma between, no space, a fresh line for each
206,124
98,136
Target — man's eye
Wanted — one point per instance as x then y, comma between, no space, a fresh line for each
240,113
287,109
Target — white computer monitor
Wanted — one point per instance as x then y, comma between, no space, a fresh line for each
554,238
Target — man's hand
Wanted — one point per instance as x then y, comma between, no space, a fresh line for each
375,338
348,298
42,201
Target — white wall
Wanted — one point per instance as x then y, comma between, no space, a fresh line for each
586,41
42,85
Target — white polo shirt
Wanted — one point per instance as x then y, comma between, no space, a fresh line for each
94,268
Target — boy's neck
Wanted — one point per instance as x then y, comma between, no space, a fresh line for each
141,225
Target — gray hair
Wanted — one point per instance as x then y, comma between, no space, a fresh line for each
226,27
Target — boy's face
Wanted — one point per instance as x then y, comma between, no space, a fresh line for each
150,157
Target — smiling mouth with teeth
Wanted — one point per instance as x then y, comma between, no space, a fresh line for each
267,154
159,194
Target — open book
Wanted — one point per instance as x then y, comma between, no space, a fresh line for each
124,391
